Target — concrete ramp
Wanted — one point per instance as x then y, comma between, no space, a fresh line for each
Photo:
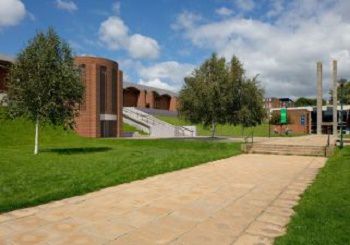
155,127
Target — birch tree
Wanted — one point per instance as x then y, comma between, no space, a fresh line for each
44,84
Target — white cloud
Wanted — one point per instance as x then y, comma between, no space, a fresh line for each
186,20
116,7
157,83
11,12
276,8
245,5
170,72
115,34
223,11
69,6
283,52
143,47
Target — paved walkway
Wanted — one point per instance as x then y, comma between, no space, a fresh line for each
241,200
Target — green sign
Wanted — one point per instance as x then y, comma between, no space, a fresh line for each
283,115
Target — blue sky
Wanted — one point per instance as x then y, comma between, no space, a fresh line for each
159,42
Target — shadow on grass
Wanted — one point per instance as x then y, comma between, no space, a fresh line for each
77,150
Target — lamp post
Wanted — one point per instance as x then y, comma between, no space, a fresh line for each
341,82
269,117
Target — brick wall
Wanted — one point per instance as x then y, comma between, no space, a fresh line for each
88,123
295,122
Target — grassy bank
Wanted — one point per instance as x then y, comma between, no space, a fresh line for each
323,214
225,130
69,165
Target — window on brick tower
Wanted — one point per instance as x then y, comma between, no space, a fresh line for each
114,92
103,87
82,69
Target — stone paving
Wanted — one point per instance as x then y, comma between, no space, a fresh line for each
246,199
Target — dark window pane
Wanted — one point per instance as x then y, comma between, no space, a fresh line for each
103,87
82,69
114,91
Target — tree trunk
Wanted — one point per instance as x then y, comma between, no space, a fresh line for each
36,146
213,128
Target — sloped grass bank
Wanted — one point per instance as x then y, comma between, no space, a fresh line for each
69,165
227,130
323,214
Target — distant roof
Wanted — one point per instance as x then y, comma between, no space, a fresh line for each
7,58
285,99
148,88
312,108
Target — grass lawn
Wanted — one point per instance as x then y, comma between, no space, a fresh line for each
69,165
323,214
223,130
130,128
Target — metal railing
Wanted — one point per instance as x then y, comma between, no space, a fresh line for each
150,120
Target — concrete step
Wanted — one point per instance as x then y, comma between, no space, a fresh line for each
319,154
288,150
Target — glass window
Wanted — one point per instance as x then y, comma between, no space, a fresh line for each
114,91
103,88
82,70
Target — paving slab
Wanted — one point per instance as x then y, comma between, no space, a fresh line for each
246,199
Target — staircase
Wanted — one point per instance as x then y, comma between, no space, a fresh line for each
277,149
154,126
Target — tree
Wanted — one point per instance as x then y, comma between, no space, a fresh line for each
302,101
202,99
219,93
44,84
346,92
252,112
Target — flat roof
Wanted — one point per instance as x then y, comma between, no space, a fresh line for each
149,88
311,108
7,58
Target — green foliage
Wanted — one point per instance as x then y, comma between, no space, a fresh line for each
44,84
70,165
200,98
218,93
130,128
346,93
261,130
302,101
252,111
323,214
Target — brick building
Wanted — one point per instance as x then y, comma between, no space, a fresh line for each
303,119
136,95
101,113
5,63
273,102
300,120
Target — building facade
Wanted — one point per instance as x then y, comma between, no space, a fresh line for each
273,102
5,64
101,112
304,119
136,95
